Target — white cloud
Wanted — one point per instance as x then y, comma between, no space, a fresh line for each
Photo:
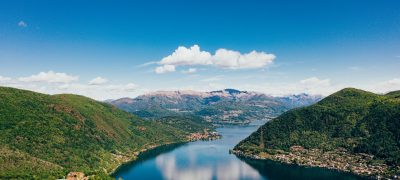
50,77
189,71
164,69
187,56
392,82
147,64
223,58
130,87
235,60
313,85
389,85
59,83
4,79
97,81
314,81
22,24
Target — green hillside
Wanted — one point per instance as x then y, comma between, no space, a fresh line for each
351,120
191,124
44,137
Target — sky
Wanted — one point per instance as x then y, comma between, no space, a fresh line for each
111,49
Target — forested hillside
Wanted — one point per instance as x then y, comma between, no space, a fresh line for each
44,137
351,119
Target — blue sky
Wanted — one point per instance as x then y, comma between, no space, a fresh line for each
111,49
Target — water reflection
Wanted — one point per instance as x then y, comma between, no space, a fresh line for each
275,170
211,160
143,157
229,170
170,170
236,170
201,160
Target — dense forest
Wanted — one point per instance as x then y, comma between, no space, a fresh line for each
359,121
190,123
45,137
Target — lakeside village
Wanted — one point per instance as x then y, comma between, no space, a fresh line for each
206,135
340,159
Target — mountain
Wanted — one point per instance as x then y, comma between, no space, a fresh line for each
224,106
191,124
351,130
45,137
299,100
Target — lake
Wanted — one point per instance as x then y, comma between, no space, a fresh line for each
211,160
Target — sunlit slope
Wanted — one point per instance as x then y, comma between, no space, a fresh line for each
359,121
47,136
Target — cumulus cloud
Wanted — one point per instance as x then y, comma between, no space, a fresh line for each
22,24
189,71
49,77
222,58
235,60
187,56
97,81
4,79
165,69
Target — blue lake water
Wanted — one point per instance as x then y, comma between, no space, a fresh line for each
211,160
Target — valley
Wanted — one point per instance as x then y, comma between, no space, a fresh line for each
344,131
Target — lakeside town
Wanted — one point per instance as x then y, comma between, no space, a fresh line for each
339,159
206,135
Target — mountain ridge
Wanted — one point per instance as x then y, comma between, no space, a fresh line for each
351,124
223,106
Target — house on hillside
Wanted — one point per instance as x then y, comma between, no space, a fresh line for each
76,176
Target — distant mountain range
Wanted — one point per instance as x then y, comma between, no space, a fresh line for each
351,130
224,106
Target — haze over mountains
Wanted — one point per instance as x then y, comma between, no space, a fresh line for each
224,106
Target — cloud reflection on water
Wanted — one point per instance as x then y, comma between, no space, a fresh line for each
170,170
230,169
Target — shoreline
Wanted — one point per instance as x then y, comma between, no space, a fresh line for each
138,155
207,136
356,164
